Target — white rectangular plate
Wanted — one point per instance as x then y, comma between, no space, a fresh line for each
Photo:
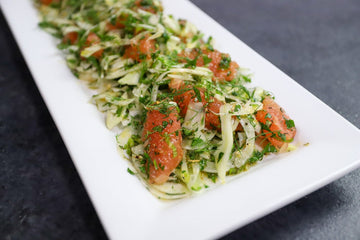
126,209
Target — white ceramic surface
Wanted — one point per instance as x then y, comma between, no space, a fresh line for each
126,209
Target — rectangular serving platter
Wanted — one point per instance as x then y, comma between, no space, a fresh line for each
126,209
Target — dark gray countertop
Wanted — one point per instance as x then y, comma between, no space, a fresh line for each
315,42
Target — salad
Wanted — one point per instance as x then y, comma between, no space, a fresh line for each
187,114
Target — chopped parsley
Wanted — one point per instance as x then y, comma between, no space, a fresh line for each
206,60
191,63
225,62
197,142
130,172
197,94
289,123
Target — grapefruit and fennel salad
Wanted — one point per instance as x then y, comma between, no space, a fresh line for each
187,113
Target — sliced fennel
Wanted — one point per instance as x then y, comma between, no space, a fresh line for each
240,157
223,154
195,117
132,78
123,138
112,120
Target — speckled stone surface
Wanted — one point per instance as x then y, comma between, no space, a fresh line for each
316,42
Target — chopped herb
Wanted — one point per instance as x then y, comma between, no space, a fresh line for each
197,142
209,44
174,150
247,79
198,188
197,93
92,16
164,124
165,36
213,177
257,156
282,136
143,169
269,149
46,24
131,172
93,60
113,20
225,62
158,129
191,63
162,167
221,154
106,38
146,3
63,46
155,164
203,164
232,171
206,59
289,123
187,132
268,124
145,100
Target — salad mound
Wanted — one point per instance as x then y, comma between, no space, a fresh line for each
189,117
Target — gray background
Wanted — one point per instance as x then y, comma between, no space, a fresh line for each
316,42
